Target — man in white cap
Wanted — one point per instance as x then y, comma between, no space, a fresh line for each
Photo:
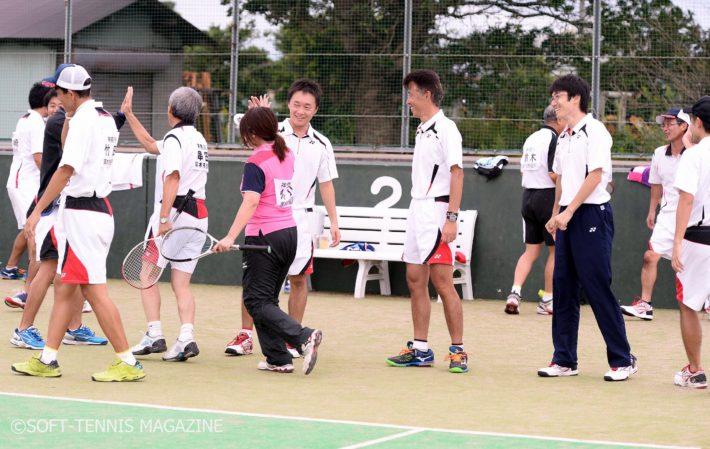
84,180
664,164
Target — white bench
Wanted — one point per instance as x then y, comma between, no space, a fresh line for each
384,229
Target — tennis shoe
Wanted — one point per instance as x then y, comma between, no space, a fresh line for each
29,338
621,373
544,307
35,367
242,344
412,357
181,351
150,345
86,308
689,379
512,304
293,351
16,301
82,336
309,349
458,360
265,366
555,370
639,309
12,273
120,371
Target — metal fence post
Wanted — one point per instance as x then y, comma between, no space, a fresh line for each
233,73
67,30
406,68
596,58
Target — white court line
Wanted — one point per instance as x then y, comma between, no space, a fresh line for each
338,421
383,439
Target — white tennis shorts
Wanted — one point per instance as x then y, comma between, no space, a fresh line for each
692,286
422,242
661,241
84,238
184,219
21,199
303,262
46,244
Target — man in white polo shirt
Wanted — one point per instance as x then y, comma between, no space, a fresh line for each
538,182
84,228
437,185
315,164
23,180
691,242
583,225
665,160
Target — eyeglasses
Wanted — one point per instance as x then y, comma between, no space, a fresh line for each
669,123
557,96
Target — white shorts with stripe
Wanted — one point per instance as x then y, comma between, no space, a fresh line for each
692,286
303,262
661,241
21,199
184,219
44,241
422,242
83,239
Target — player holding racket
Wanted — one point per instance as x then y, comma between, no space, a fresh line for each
182,165
265,215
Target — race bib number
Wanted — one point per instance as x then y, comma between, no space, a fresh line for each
110,148
202,158
284,192
531,160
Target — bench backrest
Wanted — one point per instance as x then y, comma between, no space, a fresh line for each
384,228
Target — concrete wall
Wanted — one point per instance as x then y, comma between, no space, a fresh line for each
497,244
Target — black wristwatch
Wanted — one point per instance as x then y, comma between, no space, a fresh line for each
452,216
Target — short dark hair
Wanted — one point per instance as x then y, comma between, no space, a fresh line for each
426,80
574,86
262,122
37,93
306,86
79,93
51,93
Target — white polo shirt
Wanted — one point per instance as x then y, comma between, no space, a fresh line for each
184,150
693,176
89,147
663,170
581,150
27,141
315,160
437,149
538,152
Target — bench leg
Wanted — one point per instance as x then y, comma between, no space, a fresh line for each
466,285
363,268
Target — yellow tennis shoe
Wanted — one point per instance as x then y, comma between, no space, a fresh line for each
119,371
35,367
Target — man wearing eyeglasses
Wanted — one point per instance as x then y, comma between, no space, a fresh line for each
664,164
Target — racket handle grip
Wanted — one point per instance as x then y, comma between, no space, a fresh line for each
247,247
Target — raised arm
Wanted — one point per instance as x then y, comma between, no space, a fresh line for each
137,127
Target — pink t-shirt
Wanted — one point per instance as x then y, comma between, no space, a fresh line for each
273,180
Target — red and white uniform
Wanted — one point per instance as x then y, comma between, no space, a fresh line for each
182,150
693,176
663,170
315,163
23,180
85,227
438,147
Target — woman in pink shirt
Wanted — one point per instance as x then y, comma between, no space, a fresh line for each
265,215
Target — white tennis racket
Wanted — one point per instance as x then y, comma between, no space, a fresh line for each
185,244
141,267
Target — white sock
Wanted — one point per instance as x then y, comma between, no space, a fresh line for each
186,332
420,345
127,357
48,356
246,331
547,296
516,289
155,329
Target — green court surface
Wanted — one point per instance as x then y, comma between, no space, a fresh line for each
29,422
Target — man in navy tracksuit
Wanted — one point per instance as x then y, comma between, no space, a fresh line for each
583,224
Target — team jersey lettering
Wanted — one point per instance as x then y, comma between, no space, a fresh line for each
110,148
284,192
530,161
202,157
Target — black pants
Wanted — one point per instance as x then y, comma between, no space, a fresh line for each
583,258
264,273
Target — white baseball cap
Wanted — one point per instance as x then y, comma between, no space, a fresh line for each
74,77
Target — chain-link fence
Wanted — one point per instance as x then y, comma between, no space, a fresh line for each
496,59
